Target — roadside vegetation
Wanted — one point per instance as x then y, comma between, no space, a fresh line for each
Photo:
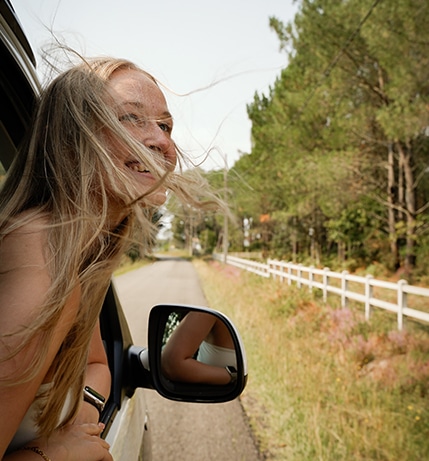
324,384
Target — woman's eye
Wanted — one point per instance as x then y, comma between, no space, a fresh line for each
140,121
165,127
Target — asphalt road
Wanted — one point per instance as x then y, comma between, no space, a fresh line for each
182,431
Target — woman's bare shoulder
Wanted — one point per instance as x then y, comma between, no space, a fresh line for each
24,247
24,275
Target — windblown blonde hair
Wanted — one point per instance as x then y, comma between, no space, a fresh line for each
66,173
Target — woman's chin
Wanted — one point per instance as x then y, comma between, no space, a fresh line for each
146,182
156,198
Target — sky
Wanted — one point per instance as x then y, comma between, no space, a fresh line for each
210,57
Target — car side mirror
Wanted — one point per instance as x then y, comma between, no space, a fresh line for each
195,354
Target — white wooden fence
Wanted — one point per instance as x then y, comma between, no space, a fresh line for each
393,297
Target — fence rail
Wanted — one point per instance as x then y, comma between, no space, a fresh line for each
371,292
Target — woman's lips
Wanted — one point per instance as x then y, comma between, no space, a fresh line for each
137,167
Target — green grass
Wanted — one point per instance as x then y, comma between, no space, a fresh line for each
323,383
127,265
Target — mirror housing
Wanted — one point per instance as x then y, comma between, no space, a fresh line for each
164,319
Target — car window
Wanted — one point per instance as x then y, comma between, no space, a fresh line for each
18,86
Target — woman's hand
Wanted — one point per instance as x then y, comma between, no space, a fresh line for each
87,414
75,442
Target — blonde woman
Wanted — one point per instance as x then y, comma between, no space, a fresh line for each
98,161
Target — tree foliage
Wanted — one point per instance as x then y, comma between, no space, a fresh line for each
339,162
340,143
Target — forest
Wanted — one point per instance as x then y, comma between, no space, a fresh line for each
338,172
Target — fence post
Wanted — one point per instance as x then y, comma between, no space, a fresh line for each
310,279
325,284
299,274
402,302
344,288
368,296
277,268
289,273
272,272
282,270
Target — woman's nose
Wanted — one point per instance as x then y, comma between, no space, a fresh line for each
160,141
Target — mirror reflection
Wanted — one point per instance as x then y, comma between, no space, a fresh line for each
198,348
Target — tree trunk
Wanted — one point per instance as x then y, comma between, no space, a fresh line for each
410,205
341,251
391,198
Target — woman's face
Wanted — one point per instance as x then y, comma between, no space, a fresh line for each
142,109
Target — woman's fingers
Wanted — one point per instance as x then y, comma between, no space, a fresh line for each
76,442
91,428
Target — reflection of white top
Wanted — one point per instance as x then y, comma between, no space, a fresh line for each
216,355
28,430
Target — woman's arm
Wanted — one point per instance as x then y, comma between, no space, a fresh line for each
24,282
178,363
97,377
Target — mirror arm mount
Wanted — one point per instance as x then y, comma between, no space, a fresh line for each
139,371
144,358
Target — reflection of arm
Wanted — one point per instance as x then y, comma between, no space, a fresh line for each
177,358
